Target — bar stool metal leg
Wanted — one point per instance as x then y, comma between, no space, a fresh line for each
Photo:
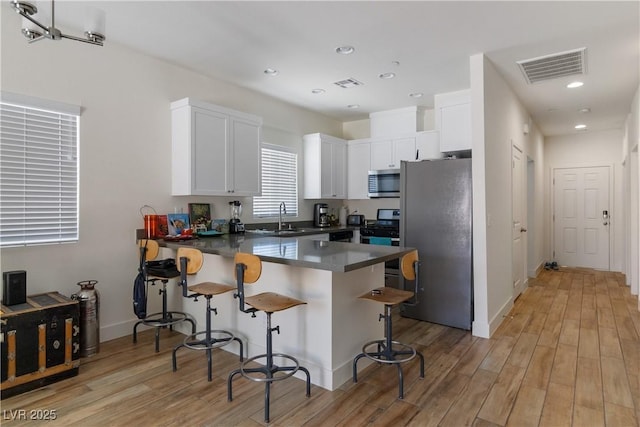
208,343
387,354
268,370
163,319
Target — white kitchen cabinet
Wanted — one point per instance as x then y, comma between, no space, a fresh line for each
387,154
428,145
215,150
453,120
358,166
325,167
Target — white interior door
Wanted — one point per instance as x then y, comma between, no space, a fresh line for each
517,216
581,217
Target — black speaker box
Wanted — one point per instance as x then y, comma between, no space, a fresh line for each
14,289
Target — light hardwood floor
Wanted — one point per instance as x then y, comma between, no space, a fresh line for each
568,354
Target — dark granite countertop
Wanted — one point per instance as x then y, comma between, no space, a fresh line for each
299,250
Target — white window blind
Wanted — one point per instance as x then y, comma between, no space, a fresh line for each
279,182
38,176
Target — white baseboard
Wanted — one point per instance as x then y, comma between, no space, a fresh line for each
486,330
480,329
122,329
534,273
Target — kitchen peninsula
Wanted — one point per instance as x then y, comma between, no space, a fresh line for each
326,333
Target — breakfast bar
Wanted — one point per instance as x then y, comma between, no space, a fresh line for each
324,334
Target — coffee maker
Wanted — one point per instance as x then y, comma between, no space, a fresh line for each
235,225
321,215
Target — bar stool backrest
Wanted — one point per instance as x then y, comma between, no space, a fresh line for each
248,268
407,265
194,260
152,249
253,266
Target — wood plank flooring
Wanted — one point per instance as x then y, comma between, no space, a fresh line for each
568,354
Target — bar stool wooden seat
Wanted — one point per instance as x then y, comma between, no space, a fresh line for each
387,351
149,250
248,269
190,262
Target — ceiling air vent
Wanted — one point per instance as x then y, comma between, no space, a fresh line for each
555,65
348,83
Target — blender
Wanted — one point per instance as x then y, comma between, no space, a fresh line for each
235,225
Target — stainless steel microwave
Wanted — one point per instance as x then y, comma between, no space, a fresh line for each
384,183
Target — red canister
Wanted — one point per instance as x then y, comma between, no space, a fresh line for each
150,226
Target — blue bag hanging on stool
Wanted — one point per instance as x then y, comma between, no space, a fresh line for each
139,287
140,296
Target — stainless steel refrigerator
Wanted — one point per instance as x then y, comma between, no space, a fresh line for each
435,218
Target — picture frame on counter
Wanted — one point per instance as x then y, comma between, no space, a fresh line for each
200,214
162,227
177,223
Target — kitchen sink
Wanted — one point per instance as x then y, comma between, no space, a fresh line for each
285,232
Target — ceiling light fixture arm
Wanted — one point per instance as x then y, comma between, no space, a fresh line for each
26,10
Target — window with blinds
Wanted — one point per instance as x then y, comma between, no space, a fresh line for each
279,182
38,175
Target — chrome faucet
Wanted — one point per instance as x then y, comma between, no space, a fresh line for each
281,210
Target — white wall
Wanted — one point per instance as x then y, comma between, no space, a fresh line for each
632,195
124,154
535,235
498,117
589,149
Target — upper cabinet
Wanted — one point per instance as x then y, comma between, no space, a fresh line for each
387,154
325,167
453,120
428,145
215,150
371,154
358,166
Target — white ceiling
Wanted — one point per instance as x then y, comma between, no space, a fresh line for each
432,41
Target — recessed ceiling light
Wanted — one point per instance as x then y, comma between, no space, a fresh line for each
353,106
584,110
574,85
317,91
345,50
416,95
271,72
387,76
580,126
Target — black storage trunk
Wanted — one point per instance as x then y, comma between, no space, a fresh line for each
40,342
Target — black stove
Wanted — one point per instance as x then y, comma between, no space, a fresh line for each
380,230
387,224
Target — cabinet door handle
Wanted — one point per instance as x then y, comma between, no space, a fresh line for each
417,154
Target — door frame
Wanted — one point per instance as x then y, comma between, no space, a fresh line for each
550,196
524,202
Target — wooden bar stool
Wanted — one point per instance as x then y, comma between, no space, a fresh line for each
247,271
190,262
149,251
386,350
